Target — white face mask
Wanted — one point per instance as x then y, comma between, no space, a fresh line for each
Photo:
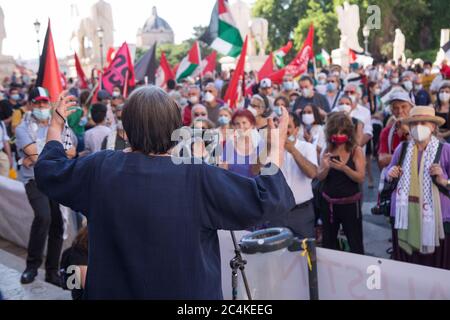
209,97
308,119
354,99
377,92
253,111
193,99
420,133
307,92
394,80
344,108
444,96
408,85
292,139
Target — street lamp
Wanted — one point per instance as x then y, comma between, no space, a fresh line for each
37,27
100,35
366,34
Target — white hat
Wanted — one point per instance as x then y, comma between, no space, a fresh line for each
265,83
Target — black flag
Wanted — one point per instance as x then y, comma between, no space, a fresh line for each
147,66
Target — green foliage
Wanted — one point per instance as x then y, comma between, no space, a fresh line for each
419,20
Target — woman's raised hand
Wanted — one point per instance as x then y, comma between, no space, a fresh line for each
62,109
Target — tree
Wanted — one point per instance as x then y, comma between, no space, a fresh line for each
419,20
283,17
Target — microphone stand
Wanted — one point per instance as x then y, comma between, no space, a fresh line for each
237,263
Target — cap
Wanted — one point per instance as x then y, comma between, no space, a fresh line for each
103,95
400,95
265,83
38,94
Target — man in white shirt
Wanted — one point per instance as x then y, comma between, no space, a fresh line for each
359,112
299,168
94,137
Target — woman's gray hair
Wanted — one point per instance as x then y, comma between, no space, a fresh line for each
149,118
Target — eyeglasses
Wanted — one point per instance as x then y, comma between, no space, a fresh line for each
200,114
256,106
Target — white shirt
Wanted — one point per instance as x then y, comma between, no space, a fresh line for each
299,183
363,114
94,137
317,134
4,138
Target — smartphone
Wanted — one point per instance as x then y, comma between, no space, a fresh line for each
337,158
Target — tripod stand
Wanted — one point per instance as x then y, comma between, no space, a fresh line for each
237,263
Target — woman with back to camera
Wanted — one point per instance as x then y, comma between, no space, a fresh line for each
152,221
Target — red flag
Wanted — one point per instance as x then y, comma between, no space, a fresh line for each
80,73
267,69
231,97
300,64
164,72
49,76
120,70
211,63
110,56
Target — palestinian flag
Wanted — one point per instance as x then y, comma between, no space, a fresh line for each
189,64
324,58
164,72
49,76
223,34
207,65
281,53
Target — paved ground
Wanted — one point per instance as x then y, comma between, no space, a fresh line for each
377,233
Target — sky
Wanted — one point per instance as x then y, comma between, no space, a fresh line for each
129,16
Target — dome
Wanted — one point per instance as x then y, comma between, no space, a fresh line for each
155,23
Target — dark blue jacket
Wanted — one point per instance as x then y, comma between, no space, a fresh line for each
153,224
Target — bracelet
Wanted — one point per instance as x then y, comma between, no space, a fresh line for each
59,114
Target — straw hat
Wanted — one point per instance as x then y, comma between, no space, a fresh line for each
424,113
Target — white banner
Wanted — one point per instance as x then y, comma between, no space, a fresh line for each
342,276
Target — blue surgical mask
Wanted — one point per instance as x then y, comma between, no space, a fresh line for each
331,87
83,122
278,111
41,115
15,97
224,121
288,85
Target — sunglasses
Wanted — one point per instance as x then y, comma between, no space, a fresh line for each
200,114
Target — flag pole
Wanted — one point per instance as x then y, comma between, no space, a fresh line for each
125,87
200,66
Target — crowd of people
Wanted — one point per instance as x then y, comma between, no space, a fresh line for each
341,122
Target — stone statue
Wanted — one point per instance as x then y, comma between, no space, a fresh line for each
259,33
399,46
2,29
349,24
242,16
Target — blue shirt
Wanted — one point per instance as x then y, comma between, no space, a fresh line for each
23,139
153,224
